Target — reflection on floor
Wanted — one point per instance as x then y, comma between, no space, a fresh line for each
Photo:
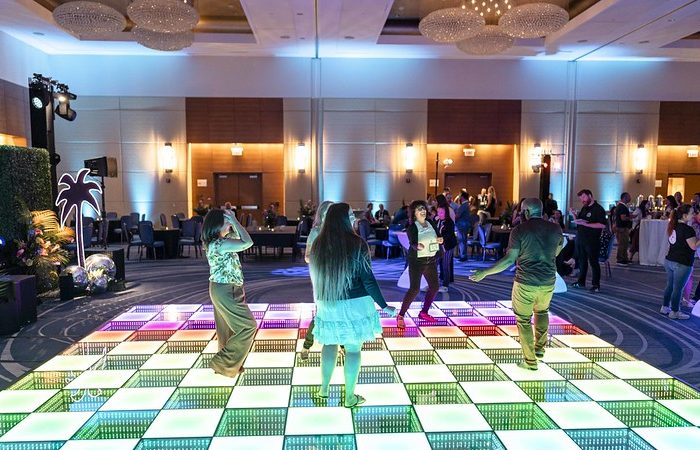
142,381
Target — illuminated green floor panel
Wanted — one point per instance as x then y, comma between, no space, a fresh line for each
143,382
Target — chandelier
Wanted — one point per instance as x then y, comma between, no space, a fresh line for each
491,40
164,16
167,42
491,8
88,17
449,25
533,20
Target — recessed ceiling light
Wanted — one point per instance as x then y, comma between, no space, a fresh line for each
38,33
349,37
284,36
581,41
643,42
302,38
300,14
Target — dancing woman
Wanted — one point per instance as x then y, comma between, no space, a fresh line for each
223,238
424,242
344,292
313,234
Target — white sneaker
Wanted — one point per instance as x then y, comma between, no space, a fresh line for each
678,315
665,310
442,289
687,303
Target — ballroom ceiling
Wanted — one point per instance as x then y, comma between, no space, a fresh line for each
598,29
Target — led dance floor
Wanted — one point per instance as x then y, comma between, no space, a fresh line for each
141,381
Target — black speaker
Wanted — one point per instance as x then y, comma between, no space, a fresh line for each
102,167
66,286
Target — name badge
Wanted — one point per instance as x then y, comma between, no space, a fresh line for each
433,246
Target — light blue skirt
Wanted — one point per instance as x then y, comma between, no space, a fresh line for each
346,322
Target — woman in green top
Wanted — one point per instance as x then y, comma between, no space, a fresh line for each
224,237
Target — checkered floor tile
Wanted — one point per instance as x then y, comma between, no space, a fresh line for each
143,381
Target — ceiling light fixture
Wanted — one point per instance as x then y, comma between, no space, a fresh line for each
533,20
450,25
164,16
167,42
83,17
491,40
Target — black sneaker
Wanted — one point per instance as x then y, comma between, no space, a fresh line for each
539,355
622,263
578,285
595,289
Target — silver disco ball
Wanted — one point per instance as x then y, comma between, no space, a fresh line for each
99,284
101,262
80,277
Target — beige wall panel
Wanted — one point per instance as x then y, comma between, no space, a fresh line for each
350,126
74,153
140,158
152,103
397,189
547,129
640,107
401,127
606,187
352,187
92,126
92,103
543,106
153,126
633,129
348,104
348,157
114,191
296,104
597,107
596,129
389,158
596,158
297,127
389,104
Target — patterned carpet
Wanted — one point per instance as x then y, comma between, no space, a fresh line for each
624,314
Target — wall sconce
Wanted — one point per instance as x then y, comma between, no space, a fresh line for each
169,160
640,159
536,158
693,152
301,157
469,151
409,157
237,150
447,162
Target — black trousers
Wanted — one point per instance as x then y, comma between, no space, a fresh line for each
588,253
417,267
446,266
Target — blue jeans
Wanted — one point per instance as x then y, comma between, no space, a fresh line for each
676,277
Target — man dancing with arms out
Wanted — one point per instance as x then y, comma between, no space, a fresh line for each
534,245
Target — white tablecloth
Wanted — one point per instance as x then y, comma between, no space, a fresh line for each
653,242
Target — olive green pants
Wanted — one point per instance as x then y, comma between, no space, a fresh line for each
527,299
235,327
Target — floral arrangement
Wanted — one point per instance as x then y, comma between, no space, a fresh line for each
307,209
42,252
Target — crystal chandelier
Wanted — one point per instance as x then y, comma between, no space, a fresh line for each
490,40
164,16
533,20
167,42
449,25
88,17
491,8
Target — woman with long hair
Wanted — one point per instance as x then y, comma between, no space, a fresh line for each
345,291
424,241
491,201
224,237
679,260
321,212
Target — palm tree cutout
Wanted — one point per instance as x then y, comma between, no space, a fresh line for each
76,192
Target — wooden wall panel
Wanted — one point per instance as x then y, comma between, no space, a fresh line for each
267,159
228,120
474,121
679,123
673,159
14,110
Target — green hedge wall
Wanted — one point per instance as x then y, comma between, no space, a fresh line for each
25,182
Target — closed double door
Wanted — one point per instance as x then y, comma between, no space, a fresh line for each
242,190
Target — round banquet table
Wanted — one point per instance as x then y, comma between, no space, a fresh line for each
653,242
